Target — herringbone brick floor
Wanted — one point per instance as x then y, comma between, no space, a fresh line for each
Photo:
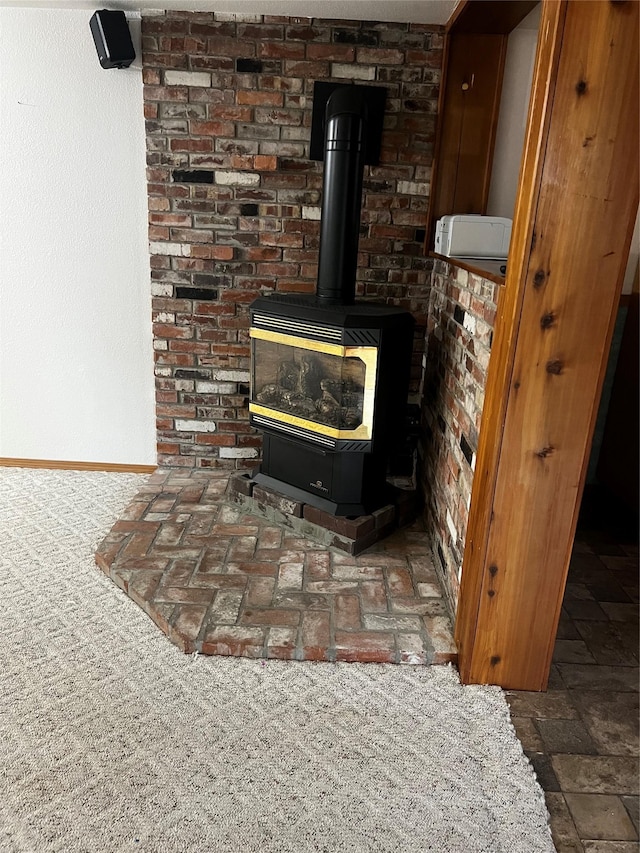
218,580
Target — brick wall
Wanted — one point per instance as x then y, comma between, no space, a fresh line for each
462,312
234,201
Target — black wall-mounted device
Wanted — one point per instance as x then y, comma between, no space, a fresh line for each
112,38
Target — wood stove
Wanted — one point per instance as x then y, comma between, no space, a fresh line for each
329,376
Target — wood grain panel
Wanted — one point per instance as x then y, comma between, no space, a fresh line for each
469,118
555,333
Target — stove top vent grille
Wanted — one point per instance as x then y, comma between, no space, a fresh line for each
297,328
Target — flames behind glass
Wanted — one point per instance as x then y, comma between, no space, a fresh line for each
316,386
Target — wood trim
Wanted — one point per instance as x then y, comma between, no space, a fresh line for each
63,465
470,265
501,363
457,13
578,194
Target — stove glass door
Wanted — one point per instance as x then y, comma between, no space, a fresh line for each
322,387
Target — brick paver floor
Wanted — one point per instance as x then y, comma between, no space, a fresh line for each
582,736
219,580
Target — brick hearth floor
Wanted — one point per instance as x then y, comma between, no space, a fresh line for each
218,580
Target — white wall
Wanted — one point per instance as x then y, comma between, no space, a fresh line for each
512,121
76,363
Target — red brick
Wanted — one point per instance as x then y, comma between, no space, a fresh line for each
265,163
183,595
338,52
399,581
281,643
331,586
380,56
315,635
191,145
365,647
225,112
235,530
187,620
346,609
270,538
218,439
259,591
138,545
262,616
233,641
265,569
353,528
261,98
318,565
267,497
373,597
280,50
142,585
309,69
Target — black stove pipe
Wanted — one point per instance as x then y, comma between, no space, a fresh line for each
344,150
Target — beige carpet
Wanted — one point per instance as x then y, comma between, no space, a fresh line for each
113,740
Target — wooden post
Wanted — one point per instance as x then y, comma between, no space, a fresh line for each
575,210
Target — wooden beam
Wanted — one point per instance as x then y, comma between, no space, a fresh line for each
575,212
489,16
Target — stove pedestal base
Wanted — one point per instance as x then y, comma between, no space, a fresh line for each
340,483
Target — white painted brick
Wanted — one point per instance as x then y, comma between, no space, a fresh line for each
187,78
234,16
482,357
238,452
353,72
163,371
452,527
184,384
161,289
195,426
177,250
483,332
469,323
282,637
462,278
244,179
216,387
160,345
429,590
413,188
231,375
290,576
310,212
164,317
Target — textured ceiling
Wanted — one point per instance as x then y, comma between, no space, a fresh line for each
410,11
